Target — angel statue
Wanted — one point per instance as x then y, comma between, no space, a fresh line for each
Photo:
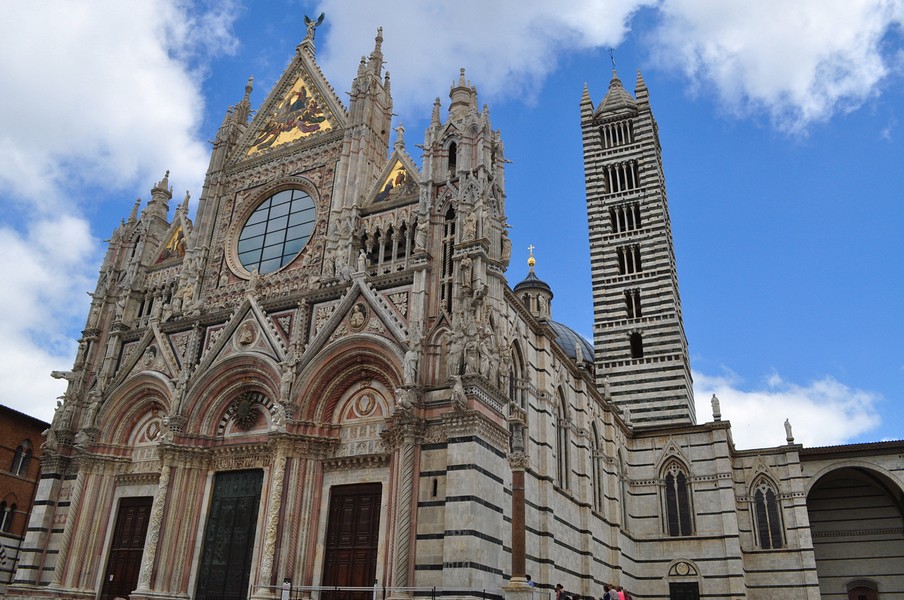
311,24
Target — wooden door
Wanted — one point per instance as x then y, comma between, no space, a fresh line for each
126,548
225,567
684,591
353,530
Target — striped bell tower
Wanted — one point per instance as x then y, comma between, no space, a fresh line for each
642,362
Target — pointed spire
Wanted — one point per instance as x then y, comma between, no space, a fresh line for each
462,96
160,197
434,118
640,89
183,208
586,103
617,98
133,216
400,138
375,62
243,108
386,82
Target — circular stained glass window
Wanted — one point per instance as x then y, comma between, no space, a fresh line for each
276,231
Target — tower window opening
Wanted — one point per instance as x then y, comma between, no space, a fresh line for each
617,134
629,260
435,487
625,217
632,303
622,177
636,341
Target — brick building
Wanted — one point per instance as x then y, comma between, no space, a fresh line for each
20,466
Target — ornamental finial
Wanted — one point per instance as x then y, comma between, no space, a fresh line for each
531,261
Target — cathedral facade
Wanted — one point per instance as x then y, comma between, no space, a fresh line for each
325,386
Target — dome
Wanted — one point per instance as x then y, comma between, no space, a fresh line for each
569,340
532,282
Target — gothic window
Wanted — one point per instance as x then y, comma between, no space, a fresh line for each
517,391
21,459
632,303
276,231
623,489
617,134
446,267
7,512
636,341
562,444
596,469
622,177
677,501
767,516
629,259
625,217
453,159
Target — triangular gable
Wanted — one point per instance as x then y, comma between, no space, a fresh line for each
174,247
373,309
301,105
152,353
249,330
397,183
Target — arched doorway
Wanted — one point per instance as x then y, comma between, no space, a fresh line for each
857,523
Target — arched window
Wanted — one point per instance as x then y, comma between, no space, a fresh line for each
21,459
677,501
446,266
453,159
517,383
636,345
767,516
623,489
7,512
596,469
562,444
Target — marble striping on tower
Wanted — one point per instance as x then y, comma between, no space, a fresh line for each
641,351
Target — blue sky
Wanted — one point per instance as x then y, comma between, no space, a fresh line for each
781,125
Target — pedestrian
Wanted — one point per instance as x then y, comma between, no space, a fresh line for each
530,581
607,595
621,592
560,592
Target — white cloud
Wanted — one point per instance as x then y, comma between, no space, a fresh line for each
506,47
799,62
822,413
43,290
101,98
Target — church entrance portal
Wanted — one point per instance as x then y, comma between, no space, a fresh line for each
229,539
352,535
126,548
684,591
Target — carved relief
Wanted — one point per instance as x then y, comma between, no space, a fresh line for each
400,301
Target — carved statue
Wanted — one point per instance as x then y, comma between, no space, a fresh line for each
455,350
362,261
717,410
410,365
469,232
420,233
285,380
459,399
466,269
50,441
278,419
788,435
